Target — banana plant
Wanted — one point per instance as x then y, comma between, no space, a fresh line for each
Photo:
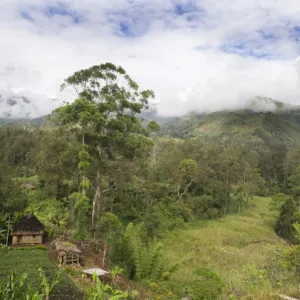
115,271
6,226
47,286
102,291
18,288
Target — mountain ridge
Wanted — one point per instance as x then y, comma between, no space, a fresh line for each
260,120
25,105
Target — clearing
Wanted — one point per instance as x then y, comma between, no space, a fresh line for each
224,246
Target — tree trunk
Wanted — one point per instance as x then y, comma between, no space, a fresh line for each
72,210
104,255
7,235
97,197
227,182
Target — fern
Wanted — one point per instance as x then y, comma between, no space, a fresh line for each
139,256
145,260
155,265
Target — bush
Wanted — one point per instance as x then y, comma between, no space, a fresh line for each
288,216
278,200
246,281
163,218
203,207
207,286
180,211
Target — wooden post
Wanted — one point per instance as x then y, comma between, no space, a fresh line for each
8,223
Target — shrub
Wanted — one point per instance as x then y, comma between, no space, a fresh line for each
203,207
288,216
246,281
163,218
207,286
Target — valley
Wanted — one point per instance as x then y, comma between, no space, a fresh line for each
203,206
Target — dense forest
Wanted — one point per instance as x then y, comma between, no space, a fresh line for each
98,171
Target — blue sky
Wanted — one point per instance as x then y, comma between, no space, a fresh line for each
203,55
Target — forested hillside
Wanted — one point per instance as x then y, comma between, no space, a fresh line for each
95,172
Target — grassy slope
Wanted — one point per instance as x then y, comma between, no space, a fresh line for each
222,245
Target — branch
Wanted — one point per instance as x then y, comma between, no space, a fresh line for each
186,188
91,184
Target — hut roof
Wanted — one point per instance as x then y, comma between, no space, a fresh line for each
66,247
28,224
96,271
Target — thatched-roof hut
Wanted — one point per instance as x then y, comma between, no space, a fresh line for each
68,253
29,231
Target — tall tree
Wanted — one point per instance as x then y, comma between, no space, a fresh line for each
104,115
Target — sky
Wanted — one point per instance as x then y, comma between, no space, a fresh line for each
202,55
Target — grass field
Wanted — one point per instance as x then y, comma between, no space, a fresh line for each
29,260
225,246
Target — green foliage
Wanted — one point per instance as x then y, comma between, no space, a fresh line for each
109,225
52,213
110,231
6,226
12,197
283,267
84,160
278,200
186,171
296,225
294,181
143,262
247,281
207,286
225,246
32,261
162,218
153,126
289,214
239,199
81,231
18,288
110,228
204,207
95,166
46,286
254,278
99,291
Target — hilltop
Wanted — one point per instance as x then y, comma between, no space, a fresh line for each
259,121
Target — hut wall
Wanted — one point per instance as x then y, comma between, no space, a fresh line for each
27,239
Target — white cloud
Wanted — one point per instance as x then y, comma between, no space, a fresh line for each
181,57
